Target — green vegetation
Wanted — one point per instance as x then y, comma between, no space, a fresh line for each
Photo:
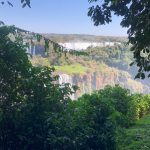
30,102
134,17
62,38
118,56
113,61
105,114
137,136
72,69
37,113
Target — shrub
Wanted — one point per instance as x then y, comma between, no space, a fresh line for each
95,127
140,106
120,100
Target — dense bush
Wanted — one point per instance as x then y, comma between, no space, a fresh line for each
129,107
120,100
140,106
95,119
94,125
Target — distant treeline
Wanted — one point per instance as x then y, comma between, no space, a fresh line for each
84,38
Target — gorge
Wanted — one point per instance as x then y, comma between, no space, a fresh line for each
108,63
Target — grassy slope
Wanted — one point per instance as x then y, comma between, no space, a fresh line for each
136,137
72,69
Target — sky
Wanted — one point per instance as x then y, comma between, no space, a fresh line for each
58,16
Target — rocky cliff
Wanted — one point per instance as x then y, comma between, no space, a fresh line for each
91,81
108,65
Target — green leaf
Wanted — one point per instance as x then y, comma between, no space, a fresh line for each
24,5
9,3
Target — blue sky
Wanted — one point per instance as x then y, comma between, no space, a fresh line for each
57,16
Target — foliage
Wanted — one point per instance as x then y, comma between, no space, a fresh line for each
117,56
129,107
136,137
140,106
23,2
120,100
72,69
135,15
95,128
97,118
31,39
37,113
30,98
64,38
111,61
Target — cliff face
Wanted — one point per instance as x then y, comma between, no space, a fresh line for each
104,66
89,82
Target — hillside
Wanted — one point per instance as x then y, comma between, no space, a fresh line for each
103,66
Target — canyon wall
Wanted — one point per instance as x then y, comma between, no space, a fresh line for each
90,82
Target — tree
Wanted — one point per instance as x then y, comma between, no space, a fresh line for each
23,2
31,100
136,18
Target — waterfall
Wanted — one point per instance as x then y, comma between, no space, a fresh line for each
27,50
64,78
31,50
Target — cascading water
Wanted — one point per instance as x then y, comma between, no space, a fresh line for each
64,78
